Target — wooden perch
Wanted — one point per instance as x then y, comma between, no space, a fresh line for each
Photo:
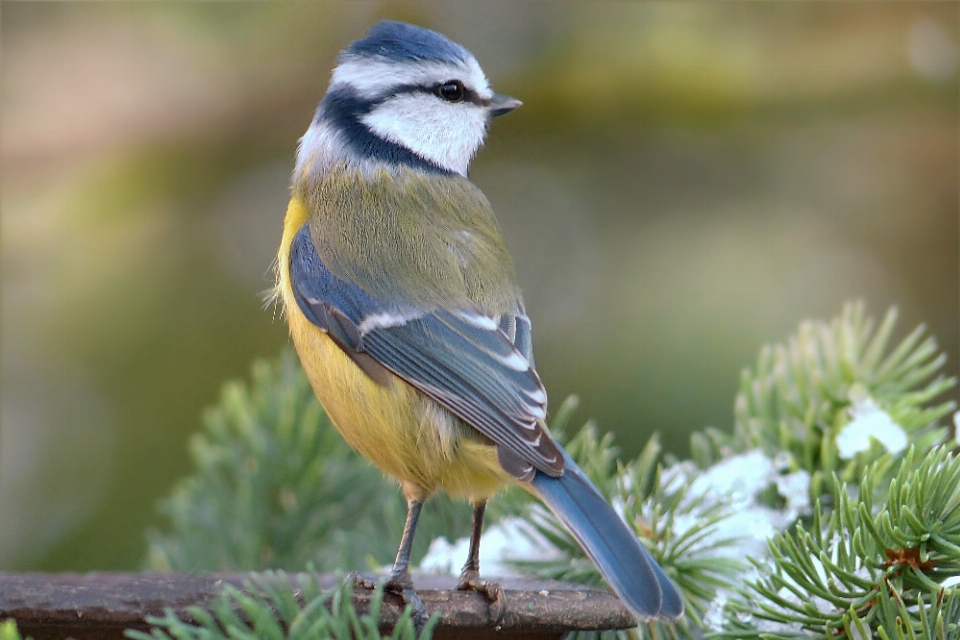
102,605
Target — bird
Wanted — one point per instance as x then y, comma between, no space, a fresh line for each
403,305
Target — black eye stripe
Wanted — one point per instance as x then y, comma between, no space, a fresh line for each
469,95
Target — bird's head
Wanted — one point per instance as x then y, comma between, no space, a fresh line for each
406,96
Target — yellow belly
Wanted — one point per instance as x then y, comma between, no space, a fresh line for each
404,433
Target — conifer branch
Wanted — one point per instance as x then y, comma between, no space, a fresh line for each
804,393
269,608
859,569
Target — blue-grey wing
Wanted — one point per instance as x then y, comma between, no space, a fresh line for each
516,327
478,367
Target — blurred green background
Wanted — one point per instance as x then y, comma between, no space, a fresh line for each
685,182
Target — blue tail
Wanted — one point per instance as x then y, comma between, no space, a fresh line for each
627,566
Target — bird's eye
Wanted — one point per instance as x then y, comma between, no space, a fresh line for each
451,91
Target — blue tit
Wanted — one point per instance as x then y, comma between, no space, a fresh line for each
403,305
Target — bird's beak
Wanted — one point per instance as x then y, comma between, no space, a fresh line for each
501,104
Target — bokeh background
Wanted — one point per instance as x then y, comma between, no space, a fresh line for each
685,182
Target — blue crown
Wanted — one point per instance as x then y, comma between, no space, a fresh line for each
406,42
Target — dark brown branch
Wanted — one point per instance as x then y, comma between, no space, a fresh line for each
102,605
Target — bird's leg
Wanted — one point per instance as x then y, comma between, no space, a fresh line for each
470,574
400,580
471,569
400,575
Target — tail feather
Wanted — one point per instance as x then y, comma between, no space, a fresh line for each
627,566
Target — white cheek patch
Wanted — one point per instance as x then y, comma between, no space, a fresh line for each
446,134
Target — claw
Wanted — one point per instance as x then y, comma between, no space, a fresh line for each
492,591
418,611
401,583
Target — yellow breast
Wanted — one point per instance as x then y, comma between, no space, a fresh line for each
404,433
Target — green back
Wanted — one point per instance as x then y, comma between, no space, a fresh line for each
429,240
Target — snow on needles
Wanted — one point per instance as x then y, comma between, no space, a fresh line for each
736,484
869,421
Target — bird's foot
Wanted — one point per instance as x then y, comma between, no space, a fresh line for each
399,581
470,580
402,583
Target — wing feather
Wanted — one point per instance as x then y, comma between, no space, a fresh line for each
462,359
